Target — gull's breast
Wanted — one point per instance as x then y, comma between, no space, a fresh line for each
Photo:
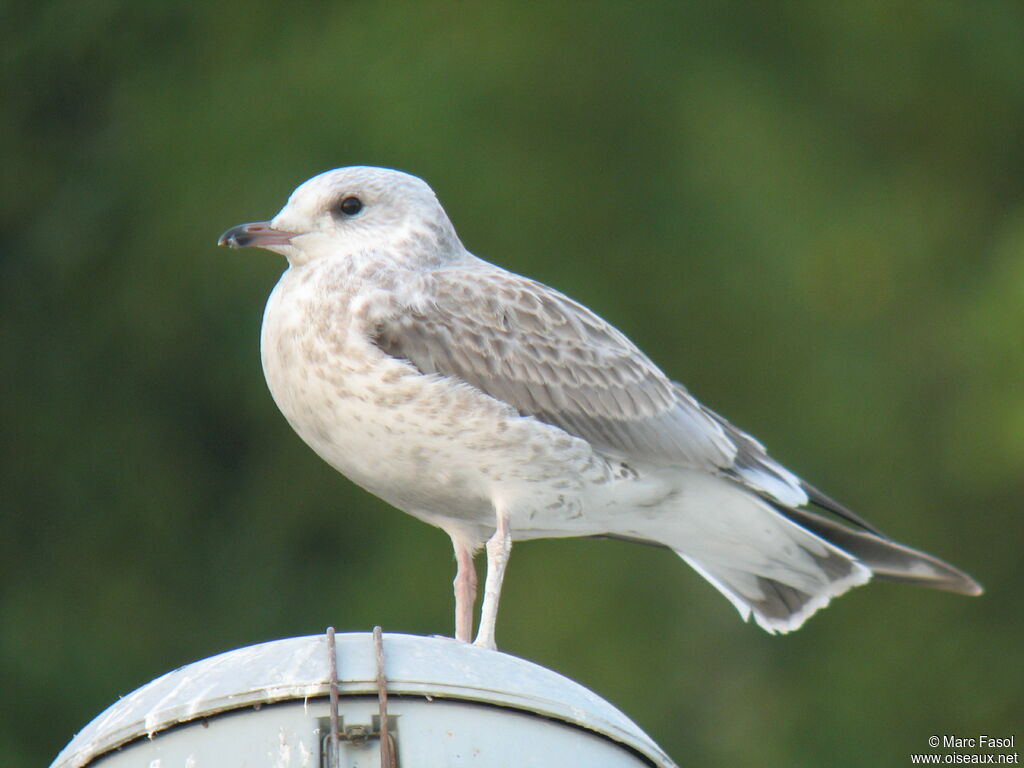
430,445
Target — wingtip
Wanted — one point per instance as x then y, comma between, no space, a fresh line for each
970,587
929,571
951,579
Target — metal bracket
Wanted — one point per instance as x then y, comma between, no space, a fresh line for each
382,727
356,736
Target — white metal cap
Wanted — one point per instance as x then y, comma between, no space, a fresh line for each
420,672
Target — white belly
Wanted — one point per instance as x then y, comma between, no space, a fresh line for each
435,448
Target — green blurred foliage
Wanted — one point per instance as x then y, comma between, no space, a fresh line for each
811,213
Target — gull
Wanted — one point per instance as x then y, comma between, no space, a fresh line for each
498,409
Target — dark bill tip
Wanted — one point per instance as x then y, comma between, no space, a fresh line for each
258,234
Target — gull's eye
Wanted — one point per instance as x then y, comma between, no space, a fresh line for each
350,206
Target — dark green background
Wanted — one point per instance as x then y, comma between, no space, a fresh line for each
811,213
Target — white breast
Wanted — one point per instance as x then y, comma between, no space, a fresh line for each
436,448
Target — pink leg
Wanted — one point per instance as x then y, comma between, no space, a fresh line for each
465,592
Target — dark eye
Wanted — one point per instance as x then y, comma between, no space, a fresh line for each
350,206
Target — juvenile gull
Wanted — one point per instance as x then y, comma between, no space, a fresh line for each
499,410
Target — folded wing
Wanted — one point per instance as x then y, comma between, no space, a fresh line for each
549,357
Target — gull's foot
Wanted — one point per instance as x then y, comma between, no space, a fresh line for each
485,642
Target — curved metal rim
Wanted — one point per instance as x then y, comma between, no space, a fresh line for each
457,672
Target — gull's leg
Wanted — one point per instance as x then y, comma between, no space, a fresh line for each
465,591
499,546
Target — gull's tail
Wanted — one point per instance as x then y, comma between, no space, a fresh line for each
782,564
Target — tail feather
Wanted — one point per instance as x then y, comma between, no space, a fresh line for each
776,606
781,564
767,565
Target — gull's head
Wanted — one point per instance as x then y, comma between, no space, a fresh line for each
352,210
